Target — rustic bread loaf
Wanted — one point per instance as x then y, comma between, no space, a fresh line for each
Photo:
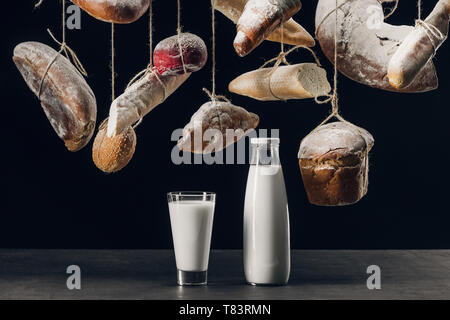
66,98
291,33
113,154
116,11
259,19
366,44
298,81
334,164
215,126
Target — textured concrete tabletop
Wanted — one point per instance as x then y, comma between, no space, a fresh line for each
150,274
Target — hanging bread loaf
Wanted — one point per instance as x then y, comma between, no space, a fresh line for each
215,126
293,33
116,11
66,98
259,19
168,60
113,154
419,46
334,164
140,98
366,43
298,81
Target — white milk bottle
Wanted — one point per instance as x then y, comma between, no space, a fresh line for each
267,259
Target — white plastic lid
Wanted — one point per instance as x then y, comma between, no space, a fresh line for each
265,141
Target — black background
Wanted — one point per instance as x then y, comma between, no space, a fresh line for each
52,198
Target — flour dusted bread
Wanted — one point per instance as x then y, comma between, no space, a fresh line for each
259,19
334,164
419,47
366,44
215,126
299,81
140,98
291,33
66,98
113,154
116,11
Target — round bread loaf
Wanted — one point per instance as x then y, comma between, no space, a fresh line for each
334,164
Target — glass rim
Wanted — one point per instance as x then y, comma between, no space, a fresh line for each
265,141
191,193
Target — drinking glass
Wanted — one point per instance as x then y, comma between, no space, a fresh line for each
191,219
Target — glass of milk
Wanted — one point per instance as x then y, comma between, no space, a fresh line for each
191,218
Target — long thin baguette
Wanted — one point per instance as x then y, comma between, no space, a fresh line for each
299,81
419,46
140,98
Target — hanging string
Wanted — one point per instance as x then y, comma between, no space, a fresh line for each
392,10
179,30
69,53
113,71
38,4
419,10
212,94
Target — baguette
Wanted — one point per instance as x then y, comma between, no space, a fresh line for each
140,98
259,19
299,81
115,11
293,33
66,98
419,46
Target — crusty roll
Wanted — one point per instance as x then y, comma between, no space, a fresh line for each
113,154
298,81
259,19
66,98
215,126
334,164
117,11
291,33
419,46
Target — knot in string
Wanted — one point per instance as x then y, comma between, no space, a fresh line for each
435,35
215,98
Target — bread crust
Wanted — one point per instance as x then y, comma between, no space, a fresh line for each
116,11
66,98
334,164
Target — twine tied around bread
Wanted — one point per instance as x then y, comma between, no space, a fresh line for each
335,99
212,94
433,33
63,47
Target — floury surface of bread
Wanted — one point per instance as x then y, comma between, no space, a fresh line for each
66,98
220,118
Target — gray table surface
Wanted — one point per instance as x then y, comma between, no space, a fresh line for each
150,274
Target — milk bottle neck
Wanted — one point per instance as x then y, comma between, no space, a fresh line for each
265,152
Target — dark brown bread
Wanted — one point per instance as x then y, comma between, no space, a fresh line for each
66,98
334,164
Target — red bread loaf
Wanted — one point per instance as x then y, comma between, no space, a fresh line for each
168,60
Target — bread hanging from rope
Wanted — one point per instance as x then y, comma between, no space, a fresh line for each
113,154
215,126
419,47
66,98
116,11
293,33
366,44
259,19
334,164
298,81
141,98
168,60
